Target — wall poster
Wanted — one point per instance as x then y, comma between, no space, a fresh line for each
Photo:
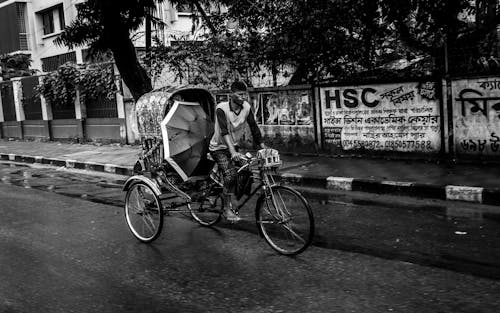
289,107
393,117
476,116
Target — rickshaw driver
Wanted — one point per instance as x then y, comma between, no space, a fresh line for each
230,121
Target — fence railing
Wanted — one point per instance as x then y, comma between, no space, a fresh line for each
102,107
8,104
31,101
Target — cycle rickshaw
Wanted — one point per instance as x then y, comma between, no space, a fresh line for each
174,173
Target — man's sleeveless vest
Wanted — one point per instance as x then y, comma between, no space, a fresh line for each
236,124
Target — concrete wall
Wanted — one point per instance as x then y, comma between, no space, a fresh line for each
285,116
65,129
12,129
476,116
98,129
396,117
36,129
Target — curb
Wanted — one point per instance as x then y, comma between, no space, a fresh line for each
90,166
490,196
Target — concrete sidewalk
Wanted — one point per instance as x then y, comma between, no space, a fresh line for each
474,183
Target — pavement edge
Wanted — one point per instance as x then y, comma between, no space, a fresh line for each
68,163
490,196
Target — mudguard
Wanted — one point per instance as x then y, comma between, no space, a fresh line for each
151,183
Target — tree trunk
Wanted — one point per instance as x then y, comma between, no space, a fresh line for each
118,37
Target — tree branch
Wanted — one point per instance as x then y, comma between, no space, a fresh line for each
205,17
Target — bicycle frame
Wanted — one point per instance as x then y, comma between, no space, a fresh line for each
266,181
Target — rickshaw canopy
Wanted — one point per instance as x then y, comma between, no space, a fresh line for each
183,119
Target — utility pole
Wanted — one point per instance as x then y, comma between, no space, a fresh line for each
449,102
147,21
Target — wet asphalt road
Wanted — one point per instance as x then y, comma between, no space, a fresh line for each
75,254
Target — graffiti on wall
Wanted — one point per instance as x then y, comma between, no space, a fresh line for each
284,108
476,112
393,117
285,118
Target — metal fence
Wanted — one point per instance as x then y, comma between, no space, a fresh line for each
8,105
473,60
63,111
31,100
102,107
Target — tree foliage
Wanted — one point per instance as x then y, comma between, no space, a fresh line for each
107,25
334,39
60,87
319,38
465,28
15,65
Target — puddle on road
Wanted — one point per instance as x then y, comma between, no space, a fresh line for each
30,179
450,211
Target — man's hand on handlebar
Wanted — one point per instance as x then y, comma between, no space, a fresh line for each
236,156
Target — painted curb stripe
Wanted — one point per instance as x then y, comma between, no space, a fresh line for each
110,168
339,183
489,196
396,183
70,163
464,193
292,178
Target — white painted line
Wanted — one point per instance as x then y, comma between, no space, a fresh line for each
464,193
89,164
397,183
339,183
292,177
70,163
110,168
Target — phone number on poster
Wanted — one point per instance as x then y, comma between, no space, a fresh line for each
409,144
389,145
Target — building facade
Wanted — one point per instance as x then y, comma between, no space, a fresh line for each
31,26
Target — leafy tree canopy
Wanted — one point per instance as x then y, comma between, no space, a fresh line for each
336,38
107,25
319,38
15,65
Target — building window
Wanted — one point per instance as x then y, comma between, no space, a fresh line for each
48,22
62,22
184,8
21,23
52,19
52,63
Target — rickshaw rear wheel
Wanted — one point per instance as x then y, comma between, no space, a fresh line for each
207,211
143,212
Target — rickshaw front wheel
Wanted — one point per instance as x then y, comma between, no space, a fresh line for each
143,212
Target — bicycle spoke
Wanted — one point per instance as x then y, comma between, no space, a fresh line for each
293,233
143,212
277,211
139,208
146,218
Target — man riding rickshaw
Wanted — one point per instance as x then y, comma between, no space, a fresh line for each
183,134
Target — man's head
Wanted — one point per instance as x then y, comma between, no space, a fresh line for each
239,92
